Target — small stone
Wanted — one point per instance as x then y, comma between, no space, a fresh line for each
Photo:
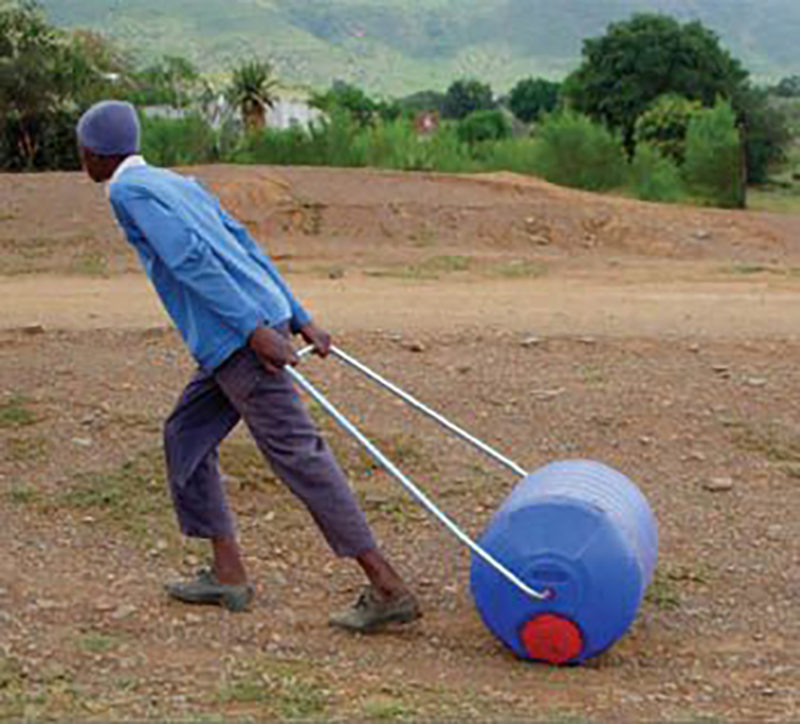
124,611
193,618
646,440
719,485
161,545
756,381
775,533
702,235
547,395
721,369
588,340
337,273
539,240
45,604
531,342
416,347
463,369
104,605
694,348
192,560
697,455
82,441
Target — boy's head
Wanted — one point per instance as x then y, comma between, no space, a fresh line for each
107,134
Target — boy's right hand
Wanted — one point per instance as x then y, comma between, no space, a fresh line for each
273,349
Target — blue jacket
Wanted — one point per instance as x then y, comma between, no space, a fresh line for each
213,279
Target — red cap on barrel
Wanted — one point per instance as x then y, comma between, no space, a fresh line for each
552,639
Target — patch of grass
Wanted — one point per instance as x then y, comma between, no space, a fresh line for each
90,264
431,268
23,495
592,374
15,412
386,708
98,643
283,690
662,592
774,199
26,449
519,269
776,442
746,269
132,497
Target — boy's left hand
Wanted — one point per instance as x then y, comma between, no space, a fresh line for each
317,337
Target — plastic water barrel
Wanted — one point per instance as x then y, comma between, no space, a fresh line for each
586,534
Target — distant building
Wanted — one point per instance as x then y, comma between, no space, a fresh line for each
288,112
285,113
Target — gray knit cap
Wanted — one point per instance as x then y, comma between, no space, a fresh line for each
110,128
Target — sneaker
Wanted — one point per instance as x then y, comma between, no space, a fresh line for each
371,612
205,589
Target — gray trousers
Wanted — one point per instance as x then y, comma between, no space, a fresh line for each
210,407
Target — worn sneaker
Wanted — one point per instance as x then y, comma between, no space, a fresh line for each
371,612
205,589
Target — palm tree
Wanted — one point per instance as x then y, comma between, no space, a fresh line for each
252,89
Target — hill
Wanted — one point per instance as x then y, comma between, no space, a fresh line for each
401,46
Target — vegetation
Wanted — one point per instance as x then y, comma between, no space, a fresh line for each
638,60
252,91
531,97
656,108
714,164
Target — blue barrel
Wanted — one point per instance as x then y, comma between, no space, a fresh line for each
585,533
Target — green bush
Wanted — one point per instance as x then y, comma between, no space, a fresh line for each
178,142
44,141
573,151
713,167
511,154
664,124
653,177
485,125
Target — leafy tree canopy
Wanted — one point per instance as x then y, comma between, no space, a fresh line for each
638,60
465,96
531,97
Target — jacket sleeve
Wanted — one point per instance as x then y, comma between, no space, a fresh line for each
190,260
300,317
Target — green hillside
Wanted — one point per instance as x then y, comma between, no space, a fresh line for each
400,46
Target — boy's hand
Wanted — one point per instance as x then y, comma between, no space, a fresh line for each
317,337
273,349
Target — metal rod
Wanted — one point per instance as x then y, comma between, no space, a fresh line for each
422,407
411,487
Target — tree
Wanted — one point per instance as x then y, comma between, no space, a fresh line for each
488,125
788,87
465,96
172,81
638,60
766,130
347,97
713,166
252,90
664,124
531,97
40,74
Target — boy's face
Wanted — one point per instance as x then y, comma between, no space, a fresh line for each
99,168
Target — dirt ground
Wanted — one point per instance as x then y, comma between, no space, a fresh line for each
553,324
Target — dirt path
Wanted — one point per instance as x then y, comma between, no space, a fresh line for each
583,305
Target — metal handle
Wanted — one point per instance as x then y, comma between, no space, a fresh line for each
413,490
423,408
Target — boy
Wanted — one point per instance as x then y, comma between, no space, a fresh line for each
235,314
